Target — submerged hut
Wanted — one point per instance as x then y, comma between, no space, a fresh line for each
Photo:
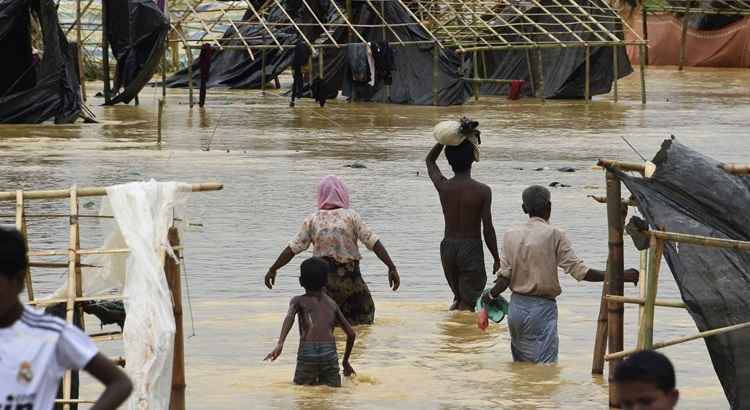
439,52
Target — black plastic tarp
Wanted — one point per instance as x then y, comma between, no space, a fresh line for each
137,32
564,69
34,92
690,194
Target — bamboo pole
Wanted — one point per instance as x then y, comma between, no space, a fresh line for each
540,62
94,191
189,53
72,285
600,340
172,270
263,23
683,39
587,82
99,251
642,278
622,166
646,328
641,52
21,227
105,54
435,59
79,46
615,267
669,303
701,240
644,22
475,63
736,169
48,302
159,119
530,67
660,345
263,72
615,69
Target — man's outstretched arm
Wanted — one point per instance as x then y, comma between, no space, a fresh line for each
432,168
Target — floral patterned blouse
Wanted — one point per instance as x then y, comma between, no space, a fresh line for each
334,233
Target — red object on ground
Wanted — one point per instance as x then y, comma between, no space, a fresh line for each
515,89
483,320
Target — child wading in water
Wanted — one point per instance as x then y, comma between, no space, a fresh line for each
317,359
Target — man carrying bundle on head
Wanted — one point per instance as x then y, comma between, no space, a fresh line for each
467,211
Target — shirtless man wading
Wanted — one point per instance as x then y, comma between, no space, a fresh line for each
466,209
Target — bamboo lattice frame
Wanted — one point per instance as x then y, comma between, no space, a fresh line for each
74,274
712,7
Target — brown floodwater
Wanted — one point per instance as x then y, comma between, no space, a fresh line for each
417,354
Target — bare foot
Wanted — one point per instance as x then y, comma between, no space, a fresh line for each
454,306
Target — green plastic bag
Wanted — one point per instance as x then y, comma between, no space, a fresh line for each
496,310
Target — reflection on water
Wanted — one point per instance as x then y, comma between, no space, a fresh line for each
417,355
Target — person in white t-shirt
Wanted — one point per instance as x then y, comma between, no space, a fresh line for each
36,349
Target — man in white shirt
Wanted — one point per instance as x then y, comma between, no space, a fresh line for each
528,265
36,349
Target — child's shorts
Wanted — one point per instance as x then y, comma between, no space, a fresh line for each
317,364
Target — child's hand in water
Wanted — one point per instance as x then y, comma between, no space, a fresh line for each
348,370
275,353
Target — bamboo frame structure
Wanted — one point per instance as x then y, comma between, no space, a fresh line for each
648,299
73,266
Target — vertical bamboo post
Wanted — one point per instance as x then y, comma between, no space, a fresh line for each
644,22
683,39
164,73
646,328
172,271
540,62
642,278
189,53
79,46
530,67
643,73
73,277
600,341
349,15
159,120
321,65
21,227
263,72
435,59
105,54
615,267
587,82
616,69
475,63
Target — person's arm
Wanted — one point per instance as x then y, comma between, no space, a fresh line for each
284,258
117,385
596,275
432,168
490,238
350,337
394,280
285,328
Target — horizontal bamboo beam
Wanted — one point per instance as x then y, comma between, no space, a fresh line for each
736,169
701,240
47,302
106,336
640,301
486,80
93,191
84,252
622,165
679,340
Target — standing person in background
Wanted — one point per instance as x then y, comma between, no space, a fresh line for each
528,265
36,349
334,231
467,209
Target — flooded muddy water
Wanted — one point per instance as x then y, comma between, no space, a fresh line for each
417,355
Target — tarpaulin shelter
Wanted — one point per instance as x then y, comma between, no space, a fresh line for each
712,33
439,46
36,87
696,215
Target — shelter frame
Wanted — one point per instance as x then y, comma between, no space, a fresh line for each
74,275
610,327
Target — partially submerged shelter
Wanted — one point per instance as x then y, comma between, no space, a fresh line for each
696,216
712,33
37,84
443,51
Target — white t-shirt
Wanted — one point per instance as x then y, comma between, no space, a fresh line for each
35,352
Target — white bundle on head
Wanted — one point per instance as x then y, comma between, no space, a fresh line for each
448,133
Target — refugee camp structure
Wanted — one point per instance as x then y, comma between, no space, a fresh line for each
73,297
697,227
710,16
443,51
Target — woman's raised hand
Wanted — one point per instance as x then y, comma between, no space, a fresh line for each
270,279
393,279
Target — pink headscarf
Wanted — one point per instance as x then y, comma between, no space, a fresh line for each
332,193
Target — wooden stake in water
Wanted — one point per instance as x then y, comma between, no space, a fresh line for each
159,117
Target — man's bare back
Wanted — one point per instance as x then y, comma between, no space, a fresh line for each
463,199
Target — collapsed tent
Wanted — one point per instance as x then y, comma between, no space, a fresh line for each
137,32
36,85
563,70
690,194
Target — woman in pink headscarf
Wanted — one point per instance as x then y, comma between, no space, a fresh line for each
334,231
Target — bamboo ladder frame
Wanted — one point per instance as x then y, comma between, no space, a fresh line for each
652,261
75,288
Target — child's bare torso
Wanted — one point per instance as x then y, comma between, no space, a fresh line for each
317,317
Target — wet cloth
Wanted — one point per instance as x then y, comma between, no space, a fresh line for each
384,62
531,254
204,63
332,193
347,288
317,364
300,58
359,56
463,265
334,233
532,322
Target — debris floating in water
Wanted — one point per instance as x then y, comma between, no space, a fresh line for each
355,165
